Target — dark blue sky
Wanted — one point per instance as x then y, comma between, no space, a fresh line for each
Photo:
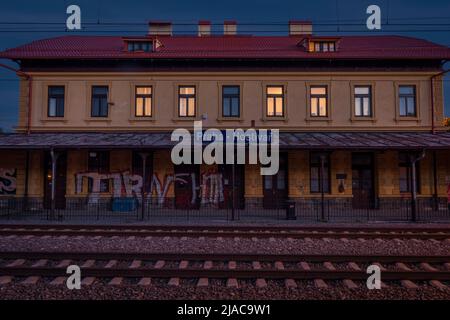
179,11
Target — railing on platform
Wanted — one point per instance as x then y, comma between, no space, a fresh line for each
304,210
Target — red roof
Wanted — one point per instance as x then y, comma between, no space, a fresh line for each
246,47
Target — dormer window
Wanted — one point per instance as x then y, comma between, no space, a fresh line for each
320,44
324,46
140,46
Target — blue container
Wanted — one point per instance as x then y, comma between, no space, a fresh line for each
123,204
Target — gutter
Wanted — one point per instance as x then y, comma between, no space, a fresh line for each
30,91
433,125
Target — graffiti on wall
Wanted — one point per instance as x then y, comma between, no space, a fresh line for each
211,188
125,184
8,181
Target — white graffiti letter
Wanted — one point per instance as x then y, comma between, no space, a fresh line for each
374,280
8,182
374,20
74,280
216,147
73,21
274,158
183,146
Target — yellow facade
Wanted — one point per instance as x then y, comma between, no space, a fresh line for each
208,104
208,90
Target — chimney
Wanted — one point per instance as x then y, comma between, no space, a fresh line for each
204,28
300,28
160,28
229,28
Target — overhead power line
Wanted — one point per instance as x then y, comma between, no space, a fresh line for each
190,32
262,23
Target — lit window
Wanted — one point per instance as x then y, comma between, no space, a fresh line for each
322,46
332,46
318,101
275,101
363,101
317,46
143,101
186,101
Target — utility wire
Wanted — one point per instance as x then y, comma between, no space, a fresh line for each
195,23
241,32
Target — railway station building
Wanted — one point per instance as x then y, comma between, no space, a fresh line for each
361,121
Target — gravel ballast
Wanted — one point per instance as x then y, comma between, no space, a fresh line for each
212,245
217,288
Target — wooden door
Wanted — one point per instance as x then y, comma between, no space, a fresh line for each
275,187
186,186
362,181
239,186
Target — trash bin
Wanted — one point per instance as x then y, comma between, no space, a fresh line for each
123,204
290,210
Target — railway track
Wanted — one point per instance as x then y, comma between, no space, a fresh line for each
297,232
174,268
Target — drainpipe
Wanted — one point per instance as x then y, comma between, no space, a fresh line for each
30,91
322,189
413,160
435,183
433,129
27,168
144,157
54,157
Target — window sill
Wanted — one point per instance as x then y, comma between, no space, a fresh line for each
268,118
141,119
363,119
176,119
399,119
56,119
325,119
220,119
98,119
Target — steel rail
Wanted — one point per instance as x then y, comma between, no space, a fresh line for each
441,234
225,273
238,257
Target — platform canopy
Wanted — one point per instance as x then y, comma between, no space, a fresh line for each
288,140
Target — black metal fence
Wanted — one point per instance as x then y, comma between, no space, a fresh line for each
302,210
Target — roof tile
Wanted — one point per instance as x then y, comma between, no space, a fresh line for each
191,47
